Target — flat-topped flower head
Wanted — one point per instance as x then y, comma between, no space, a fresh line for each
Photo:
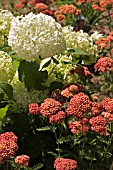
34,35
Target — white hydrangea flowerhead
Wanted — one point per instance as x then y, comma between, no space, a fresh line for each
34,35
22,98
7,70
82,41
5,21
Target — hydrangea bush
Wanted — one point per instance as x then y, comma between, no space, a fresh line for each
56,100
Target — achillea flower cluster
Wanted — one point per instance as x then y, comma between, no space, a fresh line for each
7,70
49,107
108,105
103,42
81,70
19,6
104,64
108,116
34,108
79,105
5,21
23,160
67,9
79,127
41,6
43,36
70,91
96,108
65,164
8,146
99,124
57,118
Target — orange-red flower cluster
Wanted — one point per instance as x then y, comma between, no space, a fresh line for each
57,118
34,108
68,9
70,91
96,108
79,127
41,6
49,107
23,160
104,64
108,105
79,105
99,124
65,164
8,146
104,41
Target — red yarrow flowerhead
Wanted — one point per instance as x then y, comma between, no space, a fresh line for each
99,124
8,146
65,164
108,105
23,160
41,6
79,105
104,64
19,6
34,108
50,107
57,118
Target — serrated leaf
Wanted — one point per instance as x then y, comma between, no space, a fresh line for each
38,166
44,128
64,139
7,88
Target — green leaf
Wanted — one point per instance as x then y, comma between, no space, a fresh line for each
45,63
76,51
73,63
55,85
38,166
12,52
28,73
46,128
3,112
64,139
7,88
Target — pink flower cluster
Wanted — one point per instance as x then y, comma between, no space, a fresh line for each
8,146
34,108
79,105
70,91
99,124
65,164
50,107
96,108
23,160
108,105
79,127
57,118
104,64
